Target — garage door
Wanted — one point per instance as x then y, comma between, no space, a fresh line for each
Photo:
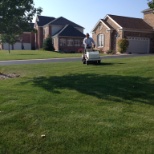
138,45
17,46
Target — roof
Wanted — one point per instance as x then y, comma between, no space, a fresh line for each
147,10
107,24
69,30
43,20
63,21
131,23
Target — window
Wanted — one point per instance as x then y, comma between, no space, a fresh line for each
62,42
77,42
70,42
100,40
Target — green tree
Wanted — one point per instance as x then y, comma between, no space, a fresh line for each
10,39
15,16
47,44
151,4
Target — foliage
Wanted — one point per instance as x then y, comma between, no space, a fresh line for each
123,45
47,44
110,52
151,4
15,17
10,39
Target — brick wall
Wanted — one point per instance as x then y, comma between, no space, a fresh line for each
40,37
56,43
68,48
111,36
101,29
149,18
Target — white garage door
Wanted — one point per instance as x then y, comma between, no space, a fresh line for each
17,46
138,45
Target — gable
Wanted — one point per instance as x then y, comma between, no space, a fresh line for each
101,23
43,20
69,30
64,21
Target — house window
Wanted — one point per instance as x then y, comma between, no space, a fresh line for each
70,42
100,40
62,42
77,42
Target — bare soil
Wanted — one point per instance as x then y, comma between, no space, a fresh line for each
7,76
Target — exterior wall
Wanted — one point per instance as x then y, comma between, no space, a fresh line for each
1,47
33,41
76,44
80,29
26,37
46,31
56,43
107,37
29,37
116,34
142,34
40,37
55,29
149,18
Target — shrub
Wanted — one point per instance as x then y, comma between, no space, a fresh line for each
123,45
110,52
47,44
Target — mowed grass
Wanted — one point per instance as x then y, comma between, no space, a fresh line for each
94,109
34,54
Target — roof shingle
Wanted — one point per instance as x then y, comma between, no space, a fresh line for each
131,23
69,30
43,20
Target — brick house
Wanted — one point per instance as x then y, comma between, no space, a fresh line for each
25,41
139,32
66,35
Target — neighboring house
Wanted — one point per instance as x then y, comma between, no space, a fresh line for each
26,41
139,32
66,35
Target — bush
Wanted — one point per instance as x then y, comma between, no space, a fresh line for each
123,45
110,52
47,44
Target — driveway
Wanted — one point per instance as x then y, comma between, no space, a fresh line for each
55,60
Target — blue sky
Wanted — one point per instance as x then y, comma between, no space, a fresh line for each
88,12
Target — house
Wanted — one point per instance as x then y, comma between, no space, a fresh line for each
25,41
139,32
66,35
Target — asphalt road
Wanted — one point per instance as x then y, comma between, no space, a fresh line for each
57,60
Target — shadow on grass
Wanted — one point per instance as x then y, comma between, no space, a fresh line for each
110,87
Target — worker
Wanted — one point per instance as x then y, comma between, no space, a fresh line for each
88,42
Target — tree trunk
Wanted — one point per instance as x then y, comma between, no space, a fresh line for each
9,48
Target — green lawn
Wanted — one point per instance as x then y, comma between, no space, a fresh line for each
33,54
94,109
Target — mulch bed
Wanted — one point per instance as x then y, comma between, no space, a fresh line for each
7,76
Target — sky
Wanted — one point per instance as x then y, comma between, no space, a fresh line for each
87,13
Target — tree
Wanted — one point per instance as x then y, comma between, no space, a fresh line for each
151,4
15,16
47,44
10,39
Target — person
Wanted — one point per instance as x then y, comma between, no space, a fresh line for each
88,42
